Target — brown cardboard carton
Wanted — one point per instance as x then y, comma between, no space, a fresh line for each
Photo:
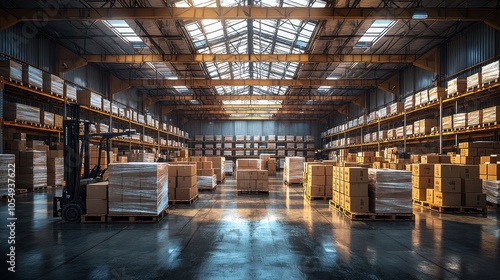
483,169
472,185
447,199
430,195
186,170
328,191
183,193
336,185
317,191
488,159
172,182
469,171
206,165
262,175
493,169
447,184
193,191
356,204
328,170
446,170
474,200
355,189
419,194
316,170
253,174
242,174
342,187
171,194
423,170
262,185
97,206
205,172
336,197
355,174
186,182
492,177
328,181
342,200
422,182
97,190
317,180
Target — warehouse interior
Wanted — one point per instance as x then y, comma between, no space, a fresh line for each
348,139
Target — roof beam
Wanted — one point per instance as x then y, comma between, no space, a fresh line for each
253,82
253,97
301,58
273,111
247,12
251,106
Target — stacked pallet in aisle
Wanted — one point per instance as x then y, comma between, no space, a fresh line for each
7,172
219,166
350,190
315,185
32,77
252,181
140,156
183,184
55,168
293,170
11,70
21,113
206,178
137,189
422,181
492,190
31,170
390,191
53,84
96,203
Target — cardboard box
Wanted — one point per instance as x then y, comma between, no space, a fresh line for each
422,170
488,159
429,159
474,200
483,169
328,181
97,190
336,197
172,182
447,184
472,185
447,199
316,170
183,193
491,178
328,191
493,169
317,191
356,204
422,182
419,194
317,180
355,174
262,185
446,170
469,171
430,195
205,172
97,206
186,182
186,170
355,189
171,194
262,175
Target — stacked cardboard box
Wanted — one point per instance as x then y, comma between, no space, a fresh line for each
206,178
475,118
350,188
140,156
390,191
460,120
316,180
97,198
70,92
32,76
90,99
457,85
456,185
55,168
447,122
138,188
31,169
474,80
365,157
53,84
11,69
436,93
422,180
471,152
293,169
490,72
21,112
7,172
491,115
271,166
252,180
219,165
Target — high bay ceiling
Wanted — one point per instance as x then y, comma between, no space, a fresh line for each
251,59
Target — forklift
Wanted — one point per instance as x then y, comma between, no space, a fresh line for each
71,205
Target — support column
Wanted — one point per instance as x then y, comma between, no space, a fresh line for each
1,114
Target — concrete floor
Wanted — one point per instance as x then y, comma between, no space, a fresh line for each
275,236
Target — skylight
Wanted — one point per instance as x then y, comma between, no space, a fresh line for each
376,31
125,32
255,102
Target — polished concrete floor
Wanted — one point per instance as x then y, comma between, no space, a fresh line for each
275,236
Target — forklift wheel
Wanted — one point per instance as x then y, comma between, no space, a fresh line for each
72,213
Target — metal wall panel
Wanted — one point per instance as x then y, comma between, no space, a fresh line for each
25,45
90,76
414,79
129,97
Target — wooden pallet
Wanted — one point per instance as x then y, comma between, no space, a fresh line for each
421,203
136,218
93,218
458,128
490,204
458,209
14,81
192,200
207,189
450,95
490,83
473,126
252,192
311,198
368,216
35,87
28,123
489,124
292,183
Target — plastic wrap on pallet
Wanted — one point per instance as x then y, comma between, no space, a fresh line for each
447,122
293,169
490,72
389,191
207,182
106,105
491,114
435,93
53,84
89,98
492,190
32,76
31,169
382,113
229,166
460,120
367,138
138,188
474,80
12,70
409,102
103,128
409,130
70,92
457,86
417,99
424,97
55,171
7,172
114,109
396,108
382,135
475,118
21,112
391,133
47,118
374,136
400,131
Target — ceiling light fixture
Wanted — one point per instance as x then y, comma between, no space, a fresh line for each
419,13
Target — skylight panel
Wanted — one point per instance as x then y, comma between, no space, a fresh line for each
376,31
181,89
125,32
254,102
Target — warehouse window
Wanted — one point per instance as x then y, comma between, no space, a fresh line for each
376,31
125,32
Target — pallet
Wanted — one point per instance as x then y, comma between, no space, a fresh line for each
368,216
47,187
93,218
311,198
138,218
192,200
28,123
292,183
35,87
493,205
14,81
489,124
450,95
473,126
458,209
458,128
207,189
252,192
490,83
421,203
